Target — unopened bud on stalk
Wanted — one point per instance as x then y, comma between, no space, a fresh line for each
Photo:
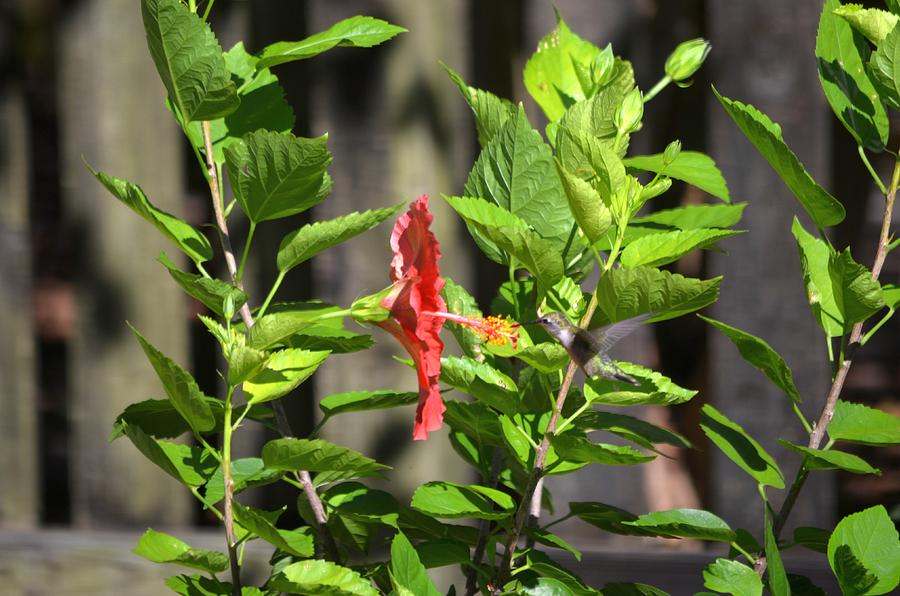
687,59
368,309
671,153
629,114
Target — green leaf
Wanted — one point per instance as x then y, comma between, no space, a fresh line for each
761,355
263,106
408,575
321,577
243,362
189,60
625,293
491,112
475,420
246,472
163,548
857,423
195,585
731,577
586,205
693,167
439,553
192,466
283,373
803,586
481,381
211,292
550,75
361,503
592,160
686,523
841,56
852,574
286,320
778,580
362,401
506,233
608,518
740,447
765,135
515,171
546,357
254,521
322,337
628,589
459,301
856,294
815,539
576,449
874,23
155,417
180,387
595,116
654,388
691,217
186,237
316,455
815,255
884,68
277,175
449,500
546,538
659,249
832,459
633,429
301,245
355,32
871,538
547,568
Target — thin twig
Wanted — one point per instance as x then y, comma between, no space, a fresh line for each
837,385
281,420
484,528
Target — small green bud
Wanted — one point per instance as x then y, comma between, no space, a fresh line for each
368,309
658,187
687,59
629,114
626,197
603,66
671,153
228,307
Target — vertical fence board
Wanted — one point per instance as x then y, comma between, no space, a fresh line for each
18,424
763,55
112,112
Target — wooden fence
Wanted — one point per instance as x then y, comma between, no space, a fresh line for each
77,81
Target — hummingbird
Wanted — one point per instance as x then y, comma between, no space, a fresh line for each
590,349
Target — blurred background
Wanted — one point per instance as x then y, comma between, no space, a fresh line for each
76,80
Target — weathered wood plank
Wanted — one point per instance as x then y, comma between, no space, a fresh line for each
112,113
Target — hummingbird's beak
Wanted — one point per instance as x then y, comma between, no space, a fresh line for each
535,322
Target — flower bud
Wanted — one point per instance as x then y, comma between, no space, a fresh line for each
228,307
629,114
603,66
368,309
656,188
671,153
686,59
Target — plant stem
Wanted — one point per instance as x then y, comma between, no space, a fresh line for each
240,271
262,309
284,427
659,86
865,160
846,361
208,8
228,482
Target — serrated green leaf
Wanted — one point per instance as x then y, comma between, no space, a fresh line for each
459,301
815,255
633,429
481,381
760,355
324,578
186,237
546,538
364,504
180,387
591,160
841,56
874,23
608,518
305,243
693,167
579,450
280,323
546,357
243,362
277,175
765,135
189,60
491,112
163,548
740,447
192,466
625,293
857,423
475,420
550,76
283,372
449,500
155,417
511,236
871,538
691,217
547,568
654,388
586,205
515,171
777,577
257,523
316,455
884,68
856,295
731,577
655,250
685,523
596,114
246,472
355,32
361,401
832,459
196,585
407,573
320,337
815,539
211,292
852,574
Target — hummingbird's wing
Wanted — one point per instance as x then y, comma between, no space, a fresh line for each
606,337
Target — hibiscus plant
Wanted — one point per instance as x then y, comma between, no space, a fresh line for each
562,210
